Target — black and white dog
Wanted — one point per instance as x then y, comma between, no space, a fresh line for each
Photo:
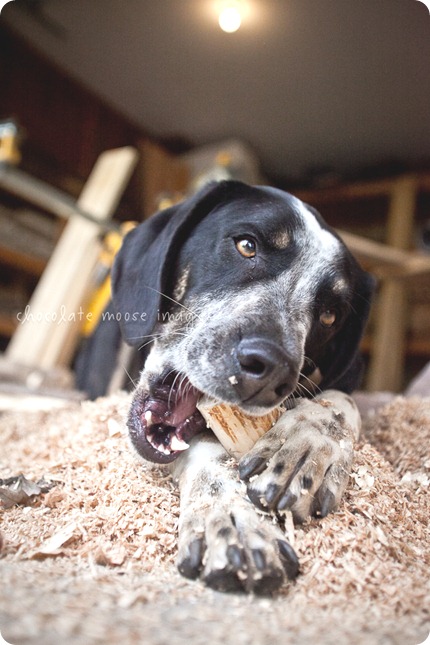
249,297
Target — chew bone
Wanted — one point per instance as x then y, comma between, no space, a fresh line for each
237,431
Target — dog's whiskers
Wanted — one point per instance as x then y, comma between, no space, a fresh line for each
188,388
143,336
172,387
290,399
187,384
302,388
164,295
130,377
151,337
148,342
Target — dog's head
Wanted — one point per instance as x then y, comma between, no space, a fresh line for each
244,293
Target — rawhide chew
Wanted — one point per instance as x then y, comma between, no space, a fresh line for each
237,431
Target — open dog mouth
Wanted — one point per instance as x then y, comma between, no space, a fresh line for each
163,422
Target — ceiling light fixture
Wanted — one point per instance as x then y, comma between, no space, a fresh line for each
230,16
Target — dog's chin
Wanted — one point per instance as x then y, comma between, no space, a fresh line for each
163,421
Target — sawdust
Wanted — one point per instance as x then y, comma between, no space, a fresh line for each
92,559
401,432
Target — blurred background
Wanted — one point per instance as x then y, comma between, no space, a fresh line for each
329,99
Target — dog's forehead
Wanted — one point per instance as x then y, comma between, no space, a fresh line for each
281,216
293,215
296,246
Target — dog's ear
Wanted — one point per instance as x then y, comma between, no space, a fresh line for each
341,365
147,259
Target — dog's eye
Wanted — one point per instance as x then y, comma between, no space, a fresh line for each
246,247
328,318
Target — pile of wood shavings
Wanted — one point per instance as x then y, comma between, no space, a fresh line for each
401,432
92,560
106,506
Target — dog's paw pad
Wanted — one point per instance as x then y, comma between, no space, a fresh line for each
223,580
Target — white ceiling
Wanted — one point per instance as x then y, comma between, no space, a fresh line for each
340,83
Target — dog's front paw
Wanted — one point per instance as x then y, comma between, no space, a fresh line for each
303,462
232,548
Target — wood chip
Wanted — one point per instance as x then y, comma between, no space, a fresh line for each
237,431
106,554
51,546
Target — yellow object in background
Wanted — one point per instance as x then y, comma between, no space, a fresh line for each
9,138
102,292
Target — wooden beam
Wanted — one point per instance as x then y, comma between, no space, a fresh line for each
362,190
387,361
386,261
47,336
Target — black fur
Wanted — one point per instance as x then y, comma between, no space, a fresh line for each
197,233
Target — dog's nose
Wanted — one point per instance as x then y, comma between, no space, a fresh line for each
266,372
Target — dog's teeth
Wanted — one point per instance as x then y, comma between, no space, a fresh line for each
160,447
148,417
233,379
178,444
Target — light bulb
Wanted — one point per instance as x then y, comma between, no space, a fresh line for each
230,18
